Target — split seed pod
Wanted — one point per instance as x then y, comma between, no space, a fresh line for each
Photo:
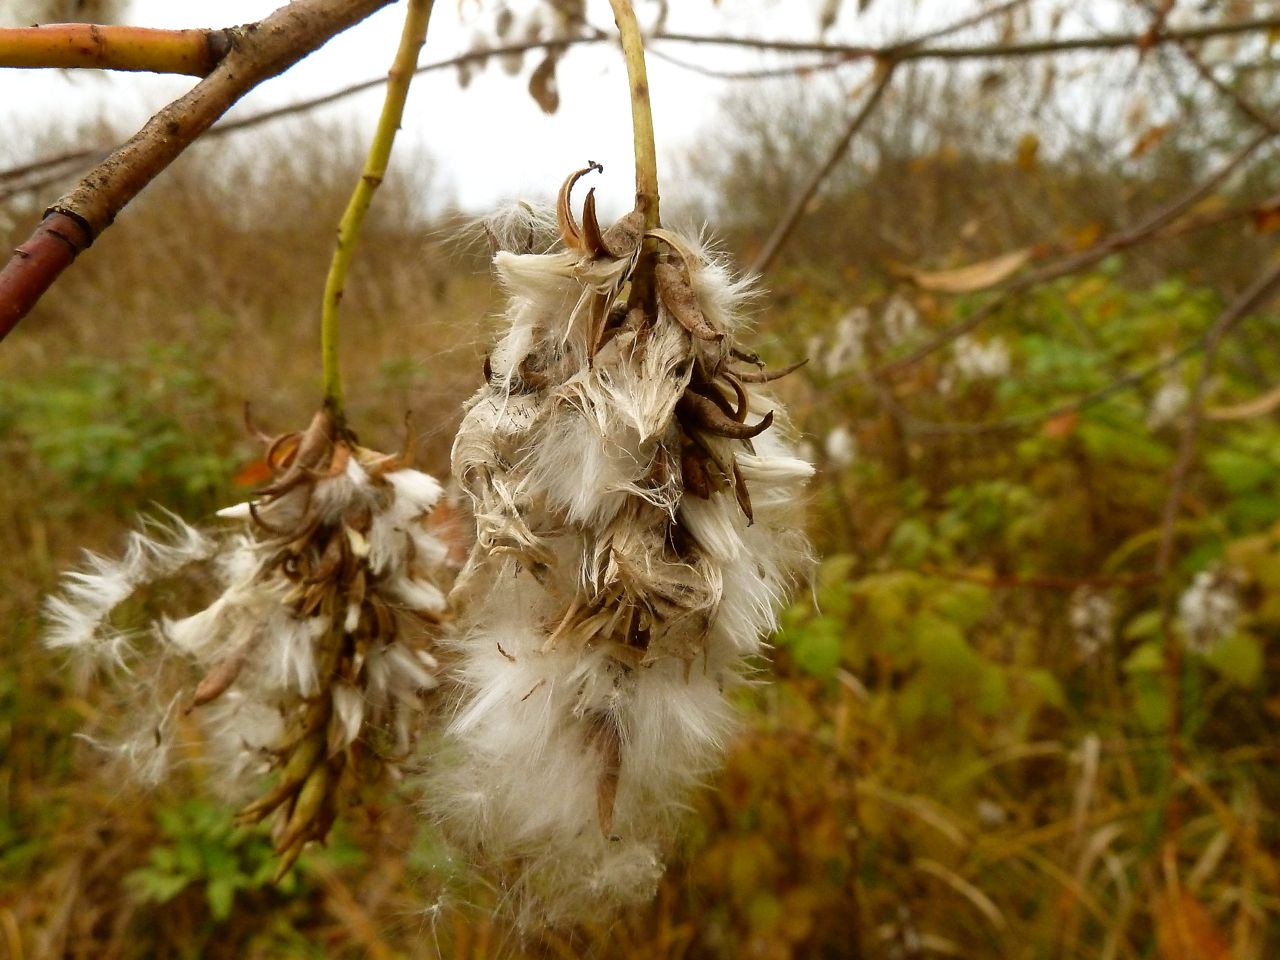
315,656
637,530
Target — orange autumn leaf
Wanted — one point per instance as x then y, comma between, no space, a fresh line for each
253,474
449,525
1185,930
1062,425
1086,236
1267,219
1150,138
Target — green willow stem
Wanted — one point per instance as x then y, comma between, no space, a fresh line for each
642,283
399,77
641,112
96,46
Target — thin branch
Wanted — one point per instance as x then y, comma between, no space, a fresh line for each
910,51
800,202
1234,313
258,52
837,55
920,427
764,73
399,77
1262,289
964,23
1258,293
191,52
1041,581
1245,106
94,154
35,166
1121,240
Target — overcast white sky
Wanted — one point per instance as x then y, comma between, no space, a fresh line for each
491,140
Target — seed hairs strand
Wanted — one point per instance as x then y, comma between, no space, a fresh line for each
636,497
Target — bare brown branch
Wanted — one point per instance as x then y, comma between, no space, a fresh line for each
259,51
1262,290
1144,230
800,202
912,50
36,174
33,176
49,251
1040,581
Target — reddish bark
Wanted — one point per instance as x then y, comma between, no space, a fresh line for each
258,51
37,263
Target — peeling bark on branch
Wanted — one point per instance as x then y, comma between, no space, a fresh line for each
192,52
258,51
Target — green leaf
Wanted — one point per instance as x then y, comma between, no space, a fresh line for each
1046,685
963,604
221,894
1147,658
1240,472
1150,700
153,887
910,542
816,648
1238,658
993,691
765,913
219,861
835,571
190,857
920,700
943,650
1145,624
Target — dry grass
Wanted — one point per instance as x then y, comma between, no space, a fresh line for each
851,821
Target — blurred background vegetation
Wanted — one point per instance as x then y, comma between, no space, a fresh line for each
1027,707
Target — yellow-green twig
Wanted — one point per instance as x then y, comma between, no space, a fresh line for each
641,112
398,79
646,154
191,52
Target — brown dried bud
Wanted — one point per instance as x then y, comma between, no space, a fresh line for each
677,294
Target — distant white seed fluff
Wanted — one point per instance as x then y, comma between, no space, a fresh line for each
1091,613
318,647
847,350
637,502
841,446
900,320
1168,404
977,360
1209,609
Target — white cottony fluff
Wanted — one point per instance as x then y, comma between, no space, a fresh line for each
1209,610
634,545
78,618
325,588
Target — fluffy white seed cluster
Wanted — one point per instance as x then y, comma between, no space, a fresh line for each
1209,609
636,500
319,640
1091,613
974,361
1168,404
